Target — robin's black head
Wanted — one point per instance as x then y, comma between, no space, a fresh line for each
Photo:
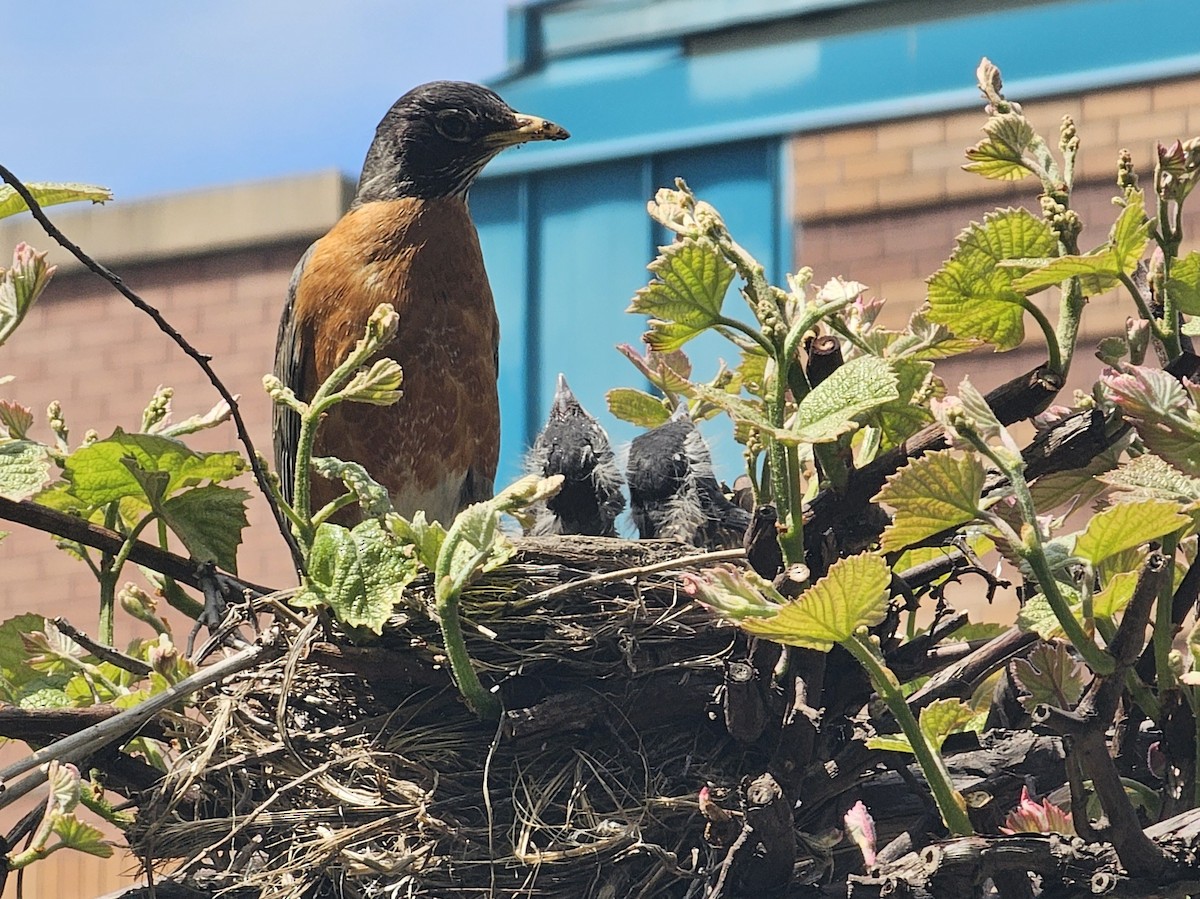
439,136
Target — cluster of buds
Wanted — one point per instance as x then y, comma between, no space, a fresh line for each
1063,221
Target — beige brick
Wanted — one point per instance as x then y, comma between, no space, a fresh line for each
875,165
966,127
1135,130
818,171
807,147
1117,104
1183,94
848,141
911,133
939,158
856,197
917,189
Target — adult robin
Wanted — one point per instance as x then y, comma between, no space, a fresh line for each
574,445
408,240
673,492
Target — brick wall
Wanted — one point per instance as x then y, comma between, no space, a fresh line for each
87,346
883,203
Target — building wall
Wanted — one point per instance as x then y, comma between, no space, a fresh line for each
883,203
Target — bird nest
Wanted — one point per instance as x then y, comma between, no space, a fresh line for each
344,769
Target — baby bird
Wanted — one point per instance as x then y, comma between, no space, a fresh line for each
673,492
574,445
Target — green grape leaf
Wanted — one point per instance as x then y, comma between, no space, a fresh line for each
924,339
77,835
972,293
1115,596
359,574
890,743
474,543
1127,525
24,468
831,408
209,521
1159,409
685,297
1038,616
1097,272
14,657
98,473
50,194
1050,676
943,717
1130,233
637,407
1150,477
852,594
377,386
1000,156
937,721
425,537
908,413
372,496
1184,283
932,494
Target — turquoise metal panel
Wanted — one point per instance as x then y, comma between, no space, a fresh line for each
741,181
567,250
500,210
594,244
641,100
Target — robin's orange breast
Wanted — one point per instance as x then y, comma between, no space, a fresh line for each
437,448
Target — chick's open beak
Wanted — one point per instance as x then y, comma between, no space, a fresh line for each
529,128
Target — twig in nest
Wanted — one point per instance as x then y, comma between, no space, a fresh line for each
85,742
201,359
102,652
722,555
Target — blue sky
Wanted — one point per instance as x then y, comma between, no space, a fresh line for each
155,97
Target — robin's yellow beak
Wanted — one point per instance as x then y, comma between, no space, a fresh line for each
529,128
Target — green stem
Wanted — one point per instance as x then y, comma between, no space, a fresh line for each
448,592
735,325
1033,551
1053,351
112,574
332,507
949,800
1164,627
1144,310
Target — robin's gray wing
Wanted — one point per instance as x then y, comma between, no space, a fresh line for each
290,369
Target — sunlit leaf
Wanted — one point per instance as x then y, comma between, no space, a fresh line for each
852,594
97,473
1184,283
830,410
1127,525
1051,676
972,294
24,468
209,521
360,574
943,717
685,297
637,407
932,494
1000,156
1149,477
48,193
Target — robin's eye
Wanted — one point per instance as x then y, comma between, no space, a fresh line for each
453,126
